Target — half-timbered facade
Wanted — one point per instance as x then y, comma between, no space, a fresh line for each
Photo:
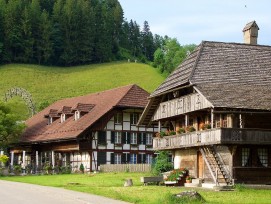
91,130
217,108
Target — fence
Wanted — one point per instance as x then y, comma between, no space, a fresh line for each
125,167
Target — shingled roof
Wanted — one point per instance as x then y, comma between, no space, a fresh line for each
98,104
229,75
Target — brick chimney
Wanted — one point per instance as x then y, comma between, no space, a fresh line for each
251,33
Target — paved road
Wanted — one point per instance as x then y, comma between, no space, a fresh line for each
22,193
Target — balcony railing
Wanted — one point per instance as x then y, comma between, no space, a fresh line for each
213,136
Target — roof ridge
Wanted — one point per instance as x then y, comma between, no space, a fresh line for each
132,86
196,61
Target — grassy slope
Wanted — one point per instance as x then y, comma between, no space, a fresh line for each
53,83
111,185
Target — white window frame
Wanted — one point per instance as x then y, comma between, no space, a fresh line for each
263,156
133,138
50,120
63,118
149,139
135,118
118,118
76,115
118,137
133,158
148,159
117,158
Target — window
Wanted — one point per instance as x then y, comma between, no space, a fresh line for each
118,118
133,138
50,120
263,157
117,137
246,161
102,138
76,115
133,159
134,118
148,158
148,139
63,117
117,158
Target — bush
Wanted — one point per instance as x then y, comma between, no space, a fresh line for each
82,168
162,163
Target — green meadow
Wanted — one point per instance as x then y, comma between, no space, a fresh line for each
111,185
48,84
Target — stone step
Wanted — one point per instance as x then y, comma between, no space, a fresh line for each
192,185
197,181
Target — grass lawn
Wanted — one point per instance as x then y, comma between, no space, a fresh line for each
111,185
53,83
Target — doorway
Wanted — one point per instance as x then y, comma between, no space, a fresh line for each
199,165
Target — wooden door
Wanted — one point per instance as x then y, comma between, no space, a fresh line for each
200,165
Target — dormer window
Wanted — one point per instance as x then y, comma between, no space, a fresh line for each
50,120
76,115
63,117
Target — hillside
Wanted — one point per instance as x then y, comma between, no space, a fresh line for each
54,83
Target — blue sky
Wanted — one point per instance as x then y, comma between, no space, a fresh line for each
196,20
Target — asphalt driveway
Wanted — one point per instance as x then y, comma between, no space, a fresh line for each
14,193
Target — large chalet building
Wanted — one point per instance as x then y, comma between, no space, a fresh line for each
217,108
94,129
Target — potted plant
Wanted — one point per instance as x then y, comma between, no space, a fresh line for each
190,129
175,176
181,130
188,179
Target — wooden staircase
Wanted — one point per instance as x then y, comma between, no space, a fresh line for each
216,166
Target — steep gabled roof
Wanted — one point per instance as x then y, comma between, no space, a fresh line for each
181,75
38,129
240,71
229,75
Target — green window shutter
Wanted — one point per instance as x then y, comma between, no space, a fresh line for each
144,138
112,137
123,138
101,137
128,141
112,156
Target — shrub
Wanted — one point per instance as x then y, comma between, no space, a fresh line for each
82,168
162,163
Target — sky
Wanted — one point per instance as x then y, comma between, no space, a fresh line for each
193,21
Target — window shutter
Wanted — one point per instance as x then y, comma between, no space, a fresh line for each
112,137
101,158
112,161
123,158
131,118
123,138
144,159
139,158
101,137
138,137
128,157
128,141
144,138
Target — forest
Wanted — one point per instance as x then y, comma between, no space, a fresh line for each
77,32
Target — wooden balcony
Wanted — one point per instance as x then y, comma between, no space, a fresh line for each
213,136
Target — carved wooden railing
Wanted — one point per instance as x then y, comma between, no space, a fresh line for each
213,136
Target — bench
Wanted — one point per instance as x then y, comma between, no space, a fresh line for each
151,179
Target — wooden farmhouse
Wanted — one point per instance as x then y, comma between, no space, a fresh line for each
95,129
217,108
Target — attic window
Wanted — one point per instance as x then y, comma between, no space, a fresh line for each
76,115
63,117
50,120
